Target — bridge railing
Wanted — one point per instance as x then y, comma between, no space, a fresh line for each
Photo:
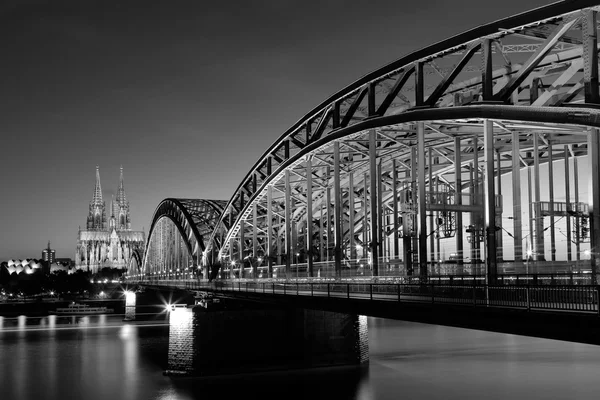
534,272
580,298
511,279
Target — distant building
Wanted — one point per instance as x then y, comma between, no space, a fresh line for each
49,255
67,262
107,243
29,266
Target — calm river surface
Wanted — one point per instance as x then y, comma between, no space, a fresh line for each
104,358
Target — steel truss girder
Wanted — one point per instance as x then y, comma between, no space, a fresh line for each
534,115
195,220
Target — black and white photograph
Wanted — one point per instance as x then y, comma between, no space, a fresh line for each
285,199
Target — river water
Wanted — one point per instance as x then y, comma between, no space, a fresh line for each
104,358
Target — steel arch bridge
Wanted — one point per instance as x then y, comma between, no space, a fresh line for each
478,154
178,235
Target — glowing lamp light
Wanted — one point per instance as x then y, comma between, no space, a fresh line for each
129,297
232,263
587,252
175,307
260,259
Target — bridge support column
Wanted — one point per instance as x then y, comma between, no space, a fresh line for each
499,241
551,198
288,226
241,252
373,193
568,201
365,210
432,256
309,219
255,242
540,254
530,245
352,244
490,202
269,226
409,240
422,221
231,243
516,197
204,342
477,188
576,193
337,211
395,237
458,201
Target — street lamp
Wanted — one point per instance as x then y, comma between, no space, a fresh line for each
231,269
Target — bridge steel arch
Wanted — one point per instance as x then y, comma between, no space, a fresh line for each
377,175
135,262
178,234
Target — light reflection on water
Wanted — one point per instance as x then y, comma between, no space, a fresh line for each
102,357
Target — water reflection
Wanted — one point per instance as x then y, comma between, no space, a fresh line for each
52,322
22,319
413,361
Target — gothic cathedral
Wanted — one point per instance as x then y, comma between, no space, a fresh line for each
107,243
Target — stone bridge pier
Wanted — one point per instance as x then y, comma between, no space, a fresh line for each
249,337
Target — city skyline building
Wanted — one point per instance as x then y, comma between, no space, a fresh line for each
49,254
107,241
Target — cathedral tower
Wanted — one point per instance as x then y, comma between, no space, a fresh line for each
97,214
122,207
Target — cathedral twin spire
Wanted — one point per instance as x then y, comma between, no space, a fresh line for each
119,209
121,198
97,200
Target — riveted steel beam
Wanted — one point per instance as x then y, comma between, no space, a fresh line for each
445,83
535,59
393,93
590,57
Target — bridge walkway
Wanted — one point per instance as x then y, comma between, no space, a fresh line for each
563,298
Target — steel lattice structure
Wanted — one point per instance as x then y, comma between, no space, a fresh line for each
179,232
379,177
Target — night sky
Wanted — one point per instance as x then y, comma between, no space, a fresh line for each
185,95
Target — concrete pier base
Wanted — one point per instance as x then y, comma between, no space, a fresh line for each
218,342
130,300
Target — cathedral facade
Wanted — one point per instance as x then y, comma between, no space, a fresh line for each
107,241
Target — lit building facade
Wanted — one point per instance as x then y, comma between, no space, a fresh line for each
107,242
49,255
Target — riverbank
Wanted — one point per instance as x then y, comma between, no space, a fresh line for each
145,303
42,308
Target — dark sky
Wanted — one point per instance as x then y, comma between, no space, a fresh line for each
186,95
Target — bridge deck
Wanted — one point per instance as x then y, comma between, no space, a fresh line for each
557,312
564,298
